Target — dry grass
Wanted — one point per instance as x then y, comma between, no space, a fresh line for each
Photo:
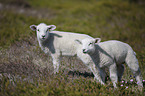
26,70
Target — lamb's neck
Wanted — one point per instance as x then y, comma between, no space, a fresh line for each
96,56
96,53
41,44
43,47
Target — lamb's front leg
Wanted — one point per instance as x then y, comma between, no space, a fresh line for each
87,60
102,74
56,62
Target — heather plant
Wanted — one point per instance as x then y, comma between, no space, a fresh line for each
26,70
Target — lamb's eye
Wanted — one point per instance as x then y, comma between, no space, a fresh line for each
90,44
47,30
38,30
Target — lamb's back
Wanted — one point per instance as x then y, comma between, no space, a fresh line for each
65,41
116,49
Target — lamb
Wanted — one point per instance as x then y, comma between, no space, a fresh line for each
111,54
58,43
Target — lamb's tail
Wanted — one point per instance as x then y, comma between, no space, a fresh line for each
132,63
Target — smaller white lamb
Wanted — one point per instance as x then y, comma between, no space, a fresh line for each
111,54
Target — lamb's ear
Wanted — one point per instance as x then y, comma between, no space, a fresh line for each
51,27
78,41
97,40
33,27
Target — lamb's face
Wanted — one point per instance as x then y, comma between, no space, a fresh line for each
88,45
42,30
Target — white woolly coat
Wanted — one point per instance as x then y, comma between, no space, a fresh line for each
112,51
62,43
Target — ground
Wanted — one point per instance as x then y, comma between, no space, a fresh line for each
26,70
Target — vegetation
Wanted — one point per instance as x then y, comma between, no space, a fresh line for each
26,70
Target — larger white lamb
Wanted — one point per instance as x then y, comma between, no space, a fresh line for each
111,54
61,44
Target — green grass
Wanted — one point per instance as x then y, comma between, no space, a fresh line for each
108,19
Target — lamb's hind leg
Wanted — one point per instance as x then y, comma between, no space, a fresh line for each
113,74
132,63
120,71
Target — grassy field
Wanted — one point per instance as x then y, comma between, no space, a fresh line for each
26,71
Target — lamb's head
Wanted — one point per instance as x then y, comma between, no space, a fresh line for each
42,30
88,45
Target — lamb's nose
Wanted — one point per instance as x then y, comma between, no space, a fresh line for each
83,50
43,36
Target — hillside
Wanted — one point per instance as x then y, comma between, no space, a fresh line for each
26,70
